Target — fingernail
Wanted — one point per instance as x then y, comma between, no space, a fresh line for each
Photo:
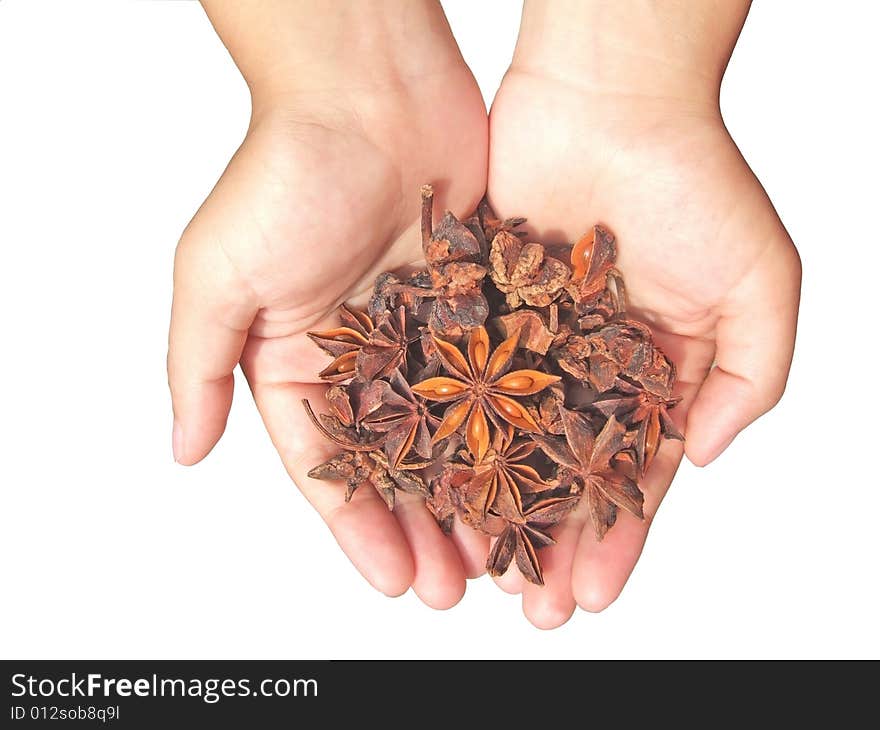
177,442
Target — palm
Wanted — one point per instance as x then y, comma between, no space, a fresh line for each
692,222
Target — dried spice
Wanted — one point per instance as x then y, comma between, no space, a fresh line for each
387,346
362,461
524,272
502,477
482,389
344,343
534,334
592,260
647,411
404,419
505,383
587,462
522,538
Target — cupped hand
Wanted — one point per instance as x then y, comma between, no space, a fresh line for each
707,264
322,196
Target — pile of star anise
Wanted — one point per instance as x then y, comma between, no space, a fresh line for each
504,384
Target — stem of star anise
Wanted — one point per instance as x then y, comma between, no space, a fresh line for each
427,213
348,446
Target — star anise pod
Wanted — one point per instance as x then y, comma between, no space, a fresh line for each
646,411
453,316
387,346
482,385
354,463
450,241
502,477
362,460
592,259
524,273
390,292
626,342
492,225
657,374
456,264
343,343
588,462
444,488
576,357
522,539
360,467
534,335
349,405
546,411
619,348
404,419
485,225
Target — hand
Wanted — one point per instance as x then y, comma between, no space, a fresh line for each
705,258
322,196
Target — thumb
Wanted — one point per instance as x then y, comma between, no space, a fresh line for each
211,312
754,345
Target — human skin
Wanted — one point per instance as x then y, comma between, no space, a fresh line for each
355,106
610,113
601,117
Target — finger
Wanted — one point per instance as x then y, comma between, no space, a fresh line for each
755,340
552,604
473,548
210,316
439,579
600,569
366,531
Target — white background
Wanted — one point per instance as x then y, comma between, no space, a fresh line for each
116,119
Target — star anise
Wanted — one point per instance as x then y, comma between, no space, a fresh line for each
386,349
657,374
524,273
533,332
343,343
646,411
359,467
362,460
482,386
443,503
546,411
492,225
522,539
390,292
421,401
592,259
588,462
576,357
455,262
502,477
349,405
404,419
456,269
618,348
627,343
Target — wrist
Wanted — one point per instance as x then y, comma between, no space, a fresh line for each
291,49
641,51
